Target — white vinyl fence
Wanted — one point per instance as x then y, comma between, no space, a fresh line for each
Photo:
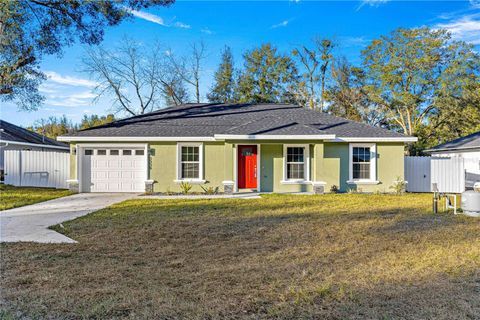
418,174
448,173
37,168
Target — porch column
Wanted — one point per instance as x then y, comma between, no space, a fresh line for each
228,183
318,167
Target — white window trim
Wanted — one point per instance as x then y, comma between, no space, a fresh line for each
179,165
306,159
373,164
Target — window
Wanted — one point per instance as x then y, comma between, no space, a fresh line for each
88,152
190,162
296,163
114,152
139,152
101,152
363,162
127,152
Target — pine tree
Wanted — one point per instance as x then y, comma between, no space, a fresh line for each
223,90
268,76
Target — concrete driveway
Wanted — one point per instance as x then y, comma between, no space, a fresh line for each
30,223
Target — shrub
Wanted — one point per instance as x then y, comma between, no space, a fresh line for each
186,187
210,190
334,189
399,186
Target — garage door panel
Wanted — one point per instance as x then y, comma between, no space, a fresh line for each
138,175
100,163
114,164
128,164
127,175
96,175
117,172
114,174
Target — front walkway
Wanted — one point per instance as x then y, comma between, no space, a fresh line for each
245,195
30,223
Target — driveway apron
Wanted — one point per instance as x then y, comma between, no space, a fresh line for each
30,223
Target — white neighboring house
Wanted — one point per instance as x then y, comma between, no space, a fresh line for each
13,137
468,148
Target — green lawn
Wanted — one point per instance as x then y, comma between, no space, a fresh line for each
12,197
345,256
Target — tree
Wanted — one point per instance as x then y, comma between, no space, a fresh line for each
324,48
456,116
412,74
223,90
348,98
137,79
53,127
175,92
310,61
189,68
268,76
95,120
31,29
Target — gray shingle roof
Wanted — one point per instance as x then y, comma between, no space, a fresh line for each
13,133
206,120
471,141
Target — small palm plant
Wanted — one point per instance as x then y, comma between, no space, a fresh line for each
185,187
210,190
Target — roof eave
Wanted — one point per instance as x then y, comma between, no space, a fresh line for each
129,139
451,149
375,139
272,137
51,146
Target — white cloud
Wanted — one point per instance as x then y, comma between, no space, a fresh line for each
466,28
71,100
206,31
284,23
157,19
354,41
475,3
68,80
147,16
371,3
182,25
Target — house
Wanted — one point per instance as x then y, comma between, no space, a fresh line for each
13,137
467,148
237,147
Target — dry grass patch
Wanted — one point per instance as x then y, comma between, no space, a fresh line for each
13,197
332,256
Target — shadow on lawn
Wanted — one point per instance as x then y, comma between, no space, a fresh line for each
280,258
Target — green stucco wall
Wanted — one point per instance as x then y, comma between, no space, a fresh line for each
73,162
163,166
271,163
335,168
329,162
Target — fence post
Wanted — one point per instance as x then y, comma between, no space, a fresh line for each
20,168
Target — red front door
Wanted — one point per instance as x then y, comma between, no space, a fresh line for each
247,167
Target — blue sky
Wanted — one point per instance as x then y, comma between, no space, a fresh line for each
242,26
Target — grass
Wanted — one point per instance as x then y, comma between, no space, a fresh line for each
346,256
13,197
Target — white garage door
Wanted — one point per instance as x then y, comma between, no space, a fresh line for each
113,169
